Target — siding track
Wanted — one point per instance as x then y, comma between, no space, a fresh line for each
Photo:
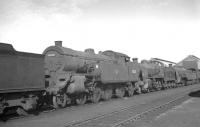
127,116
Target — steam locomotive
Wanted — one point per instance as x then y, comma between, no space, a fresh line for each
61,76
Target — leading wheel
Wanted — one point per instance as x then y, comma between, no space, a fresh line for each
60,101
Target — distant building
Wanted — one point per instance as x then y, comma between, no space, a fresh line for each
190,62
165,62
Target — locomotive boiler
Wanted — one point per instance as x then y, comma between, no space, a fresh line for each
186,77
160,76
80,76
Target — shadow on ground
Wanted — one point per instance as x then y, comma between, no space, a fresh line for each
195,94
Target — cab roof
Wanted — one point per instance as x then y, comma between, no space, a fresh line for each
114,54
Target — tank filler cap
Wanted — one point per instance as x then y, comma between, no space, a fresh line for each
58,43
135,59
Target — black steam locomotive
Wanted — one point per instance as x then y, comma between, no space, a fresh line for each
61,76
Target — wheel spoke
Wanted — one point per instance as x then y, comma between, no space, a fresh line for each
107,94
130,91
96,95
60,101
120,92
81,99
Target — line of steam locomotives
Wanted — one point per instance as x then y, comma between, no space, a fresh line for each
61,76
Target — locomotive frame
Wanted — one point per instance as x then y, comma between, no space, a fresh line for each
61,76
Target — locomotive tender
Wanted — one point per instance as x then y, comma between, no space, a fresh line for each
61,76
21,78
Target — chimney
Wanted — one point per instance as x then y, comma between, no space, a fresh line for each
58,43
170,65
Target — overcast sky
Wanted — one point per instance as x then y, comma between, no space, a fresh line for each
167,29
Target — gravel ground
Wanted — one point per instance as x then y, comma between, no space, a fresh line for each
62,117
185,115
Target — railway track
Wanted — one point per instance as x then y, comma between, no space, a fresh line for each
151,112
129,115
76,123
